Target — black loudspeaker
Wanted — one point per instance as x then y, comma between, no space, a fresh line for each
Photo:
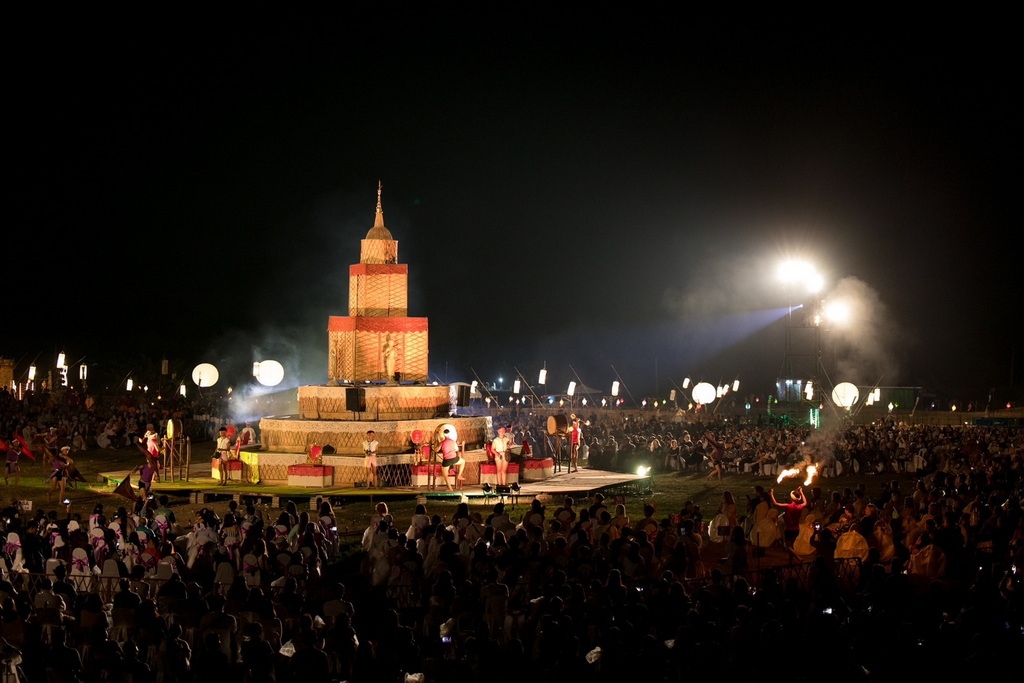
462,400
355,399
503,489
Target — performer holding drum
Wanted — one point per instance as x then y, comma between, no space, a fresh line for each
450,458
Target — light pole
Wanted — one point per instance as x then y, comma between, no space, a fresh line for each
803,340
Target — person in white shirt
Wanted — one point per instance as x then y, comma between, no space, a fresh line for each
224,454
370,459
500,446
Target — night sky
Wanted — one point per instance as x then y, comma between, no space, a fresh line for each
603,191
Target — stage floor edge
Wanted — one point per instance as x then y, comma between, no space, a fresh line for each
202,488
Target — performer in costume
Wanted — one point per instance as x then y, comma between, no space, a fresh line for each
224,453
500,446
575,437
370,459
450,458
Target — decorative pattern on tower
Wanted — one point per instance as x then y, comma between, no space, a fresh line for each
377,341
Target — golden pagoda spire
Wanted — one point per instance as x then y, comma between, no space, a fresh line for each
379,220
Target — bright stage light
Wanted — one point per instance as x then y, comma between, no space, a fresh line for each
516,387
571,391
845,394
271,373
542,378
837,312
801,273
615,388
686,383
703,393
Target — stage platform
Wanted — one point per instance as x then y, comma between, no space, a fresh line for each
201,487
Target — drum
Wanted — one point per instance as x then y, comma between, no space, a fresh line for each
439,433
175,428
719,529
558,424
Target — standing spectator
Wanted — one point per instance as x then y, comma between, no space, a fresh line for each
11,466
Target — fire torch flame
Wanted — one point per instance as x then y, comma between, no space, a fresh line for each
785,474
811,471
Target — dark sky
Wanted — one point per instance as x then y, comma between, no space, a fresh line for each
606,192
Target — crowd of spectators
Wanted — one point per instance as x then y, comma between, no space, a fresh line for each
569,589
619,440
91,421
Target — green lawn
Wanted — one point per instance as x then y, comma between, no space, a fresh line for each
669,491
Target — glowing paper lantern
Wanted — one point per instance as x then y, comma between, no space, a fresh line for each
271,373
205,375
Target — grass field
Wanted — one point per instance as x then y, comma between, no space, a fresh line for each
668,494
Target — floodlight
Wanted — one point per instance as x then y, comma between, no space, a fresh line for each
615,388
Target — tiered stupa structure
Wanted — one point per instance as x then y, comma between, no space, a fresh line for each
377,378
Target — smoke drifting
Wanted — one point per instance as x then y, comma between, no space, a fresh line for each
865,347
